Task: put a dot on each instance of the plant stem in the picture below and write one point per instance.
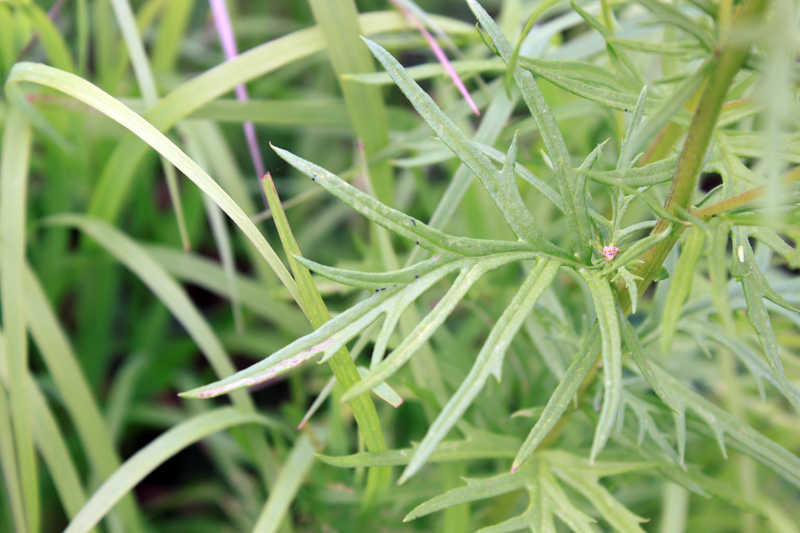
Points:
(731, 57)
(746, 197)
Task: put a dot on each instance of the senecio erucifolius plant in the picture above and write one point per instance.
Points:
(626, 225)
(594, 327)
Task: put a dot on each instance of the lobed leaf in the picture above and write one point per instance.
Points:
(681, 285)
(508, 200)
(608, 321)
(489, 361)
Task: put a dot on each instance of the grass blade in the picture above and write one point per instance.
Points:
(16, 146)
(93, 96)
(153, 455)
(293, 470)
(75, 392)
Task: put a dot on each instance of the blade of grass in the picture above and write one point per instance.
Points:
(293, 471)
(16, 146)
(64, 369)
(153, 455)
(340, 26)
(117, 175)
(8, 460)
(147, 85)
(91, 95)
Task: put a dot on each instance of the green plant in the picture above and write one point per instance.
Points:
(610, 394)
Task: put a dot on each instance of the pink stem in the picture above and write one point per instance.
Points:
(222, 22)
(440, 56)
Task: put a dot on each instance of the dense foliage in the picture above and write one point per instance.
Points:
(598, 333)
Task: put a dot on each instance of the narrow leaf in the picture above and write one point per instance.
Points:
(489, 361)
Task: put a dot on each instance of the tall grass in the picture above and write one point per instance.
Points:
(614, 241)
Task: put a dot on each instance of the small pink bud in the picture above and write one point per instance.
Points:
(610, 252)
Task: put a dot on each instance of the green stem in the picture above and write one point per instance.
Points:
(731, 57)
(341, 364)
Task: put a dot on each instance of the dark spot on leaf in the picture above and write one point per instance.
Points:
(413, 221)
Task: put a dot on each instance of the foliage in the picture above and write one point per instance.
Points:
(623, 267)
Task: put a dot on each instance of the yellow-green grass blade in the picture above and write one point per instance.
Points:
(155, 454)
(8, 460)
(338, 20)
(54, 452)
(201, 271)
(174, 297)
(103, 102)
(147, 86)
(293, 471)
(15, 150)
(75, 392)
(171, 34)
(163, 286)
(118, 173)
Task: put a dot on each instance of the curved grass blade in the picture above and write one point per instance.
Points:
(8, 456)
(509, 202)
(608, 321)
(86, 92)
(14, 168)
(63, 367)
(293, 470)
(117, 175)
(153, 455)
(489, 361)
